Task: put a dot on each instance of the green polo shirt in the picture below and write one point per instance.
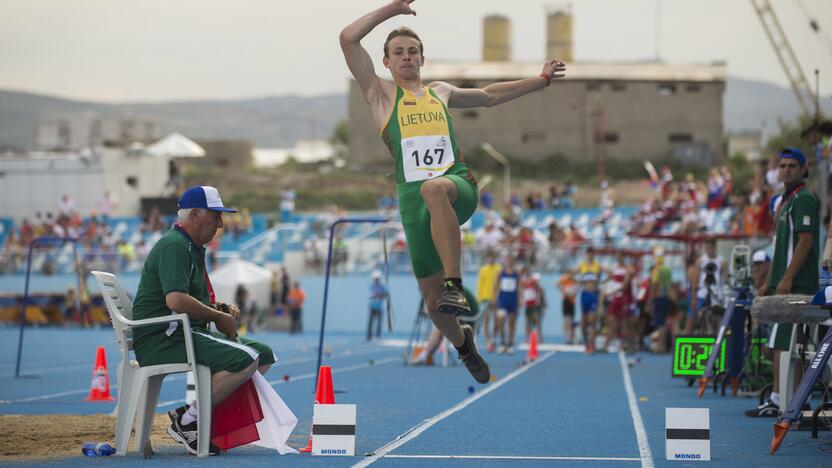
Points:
(800, 212)
(175, 263)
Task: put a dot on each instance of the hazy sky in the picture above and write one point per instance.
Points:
(153, 50)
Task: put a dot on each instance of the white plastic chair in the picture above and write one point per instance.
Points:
(138, 387)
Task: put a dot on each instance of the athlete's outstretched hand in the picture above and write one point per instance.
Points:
(554, 69)
(404, 7)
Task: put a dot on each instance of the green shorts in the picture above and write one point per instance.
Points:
(212, 349)
(416, 222)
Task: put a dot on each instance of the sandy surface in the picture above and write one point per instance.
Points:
(24, 438)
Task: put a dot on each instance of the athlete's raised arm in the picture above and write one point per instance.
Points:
(358, 60)
(498, 93)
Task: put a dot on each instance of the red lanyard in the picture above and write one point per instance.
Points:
(785, 199)
(211, 296)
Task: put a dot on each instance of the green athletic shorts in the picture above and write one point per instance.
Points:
(212, 349)
(416, 222)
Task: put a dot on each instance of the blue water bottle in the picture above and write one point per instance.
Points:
(91, 449)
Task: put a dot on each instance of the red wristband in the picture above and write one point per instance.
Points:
(547, 78)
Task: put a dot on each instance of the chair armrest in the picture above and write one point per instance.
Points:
(184, 318)
(186, 329)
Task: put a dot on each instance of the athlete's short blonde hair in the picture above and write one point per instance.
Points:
(402, 31)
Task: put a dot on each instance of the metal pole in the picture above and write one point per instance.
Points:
(326, 282)
(823, 170)
(506, 168)
(32, 244)
(23, 313)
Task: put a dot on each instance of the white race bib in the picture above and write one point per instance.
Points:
(426, 157)
(508, 284)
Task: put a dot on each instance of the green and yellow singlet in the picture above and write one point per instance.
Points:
(419, 135)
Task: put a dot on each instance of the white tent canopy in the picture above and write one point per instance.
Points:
(176, 145)
(256, 279)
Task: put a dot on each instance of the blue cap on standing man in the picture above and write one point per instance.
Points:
(793, 152)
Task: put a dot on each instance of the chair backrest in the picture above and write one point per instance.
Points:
(120, 307)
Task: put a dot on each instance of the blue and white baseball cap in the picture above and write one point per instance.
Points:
(760, 256)
(203, 196)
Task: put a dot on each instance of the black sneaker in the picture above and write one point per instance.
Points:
(473, 361)
(176, 414)
(766, 410)
(187, 434)
(452, 301)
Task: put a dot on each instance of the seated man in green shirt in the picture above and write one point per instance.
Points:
(174, 280)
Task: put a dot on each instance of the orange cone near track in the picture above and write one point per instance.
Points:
(100, 387)
(324, 395)
(532, 354)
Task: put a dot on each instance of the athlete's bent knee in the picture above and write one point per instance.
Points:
(434, 191)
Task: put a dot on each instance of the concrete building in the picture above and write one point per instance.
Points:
(73, 131)
(633, 111)
(748, 143)
(37, 181)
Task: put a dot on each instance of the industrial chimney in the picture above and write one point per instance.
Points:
(496, 45)
(559, 35)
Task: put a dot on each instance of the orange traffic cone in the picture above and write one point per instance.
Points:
(100, 387)
(532, 354)
(324, 395)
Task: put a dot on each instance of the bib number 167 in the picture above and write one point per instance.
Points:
(429, 158)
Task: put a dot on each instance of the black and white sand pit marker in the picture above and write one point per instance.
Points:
(688, 434)
(333, 430)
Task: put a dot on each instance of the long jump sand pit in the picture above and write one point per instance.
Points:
(29, 437)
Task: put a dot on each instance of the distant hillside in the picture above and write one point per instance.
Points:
(754, 105)
(279, 121)
(270, 122)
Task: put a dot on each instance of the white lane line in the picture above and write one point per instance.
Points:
(638, 424)
(510, 457)
(71, 392)
(55, 370)
(308, 376)
(182, 376)
(46, 397)
(416, 430)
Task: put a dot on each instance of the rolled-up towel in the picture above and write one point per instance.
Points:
(788, 308)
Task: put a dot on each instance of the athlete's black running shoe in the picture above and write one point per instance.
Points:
(473, 361)
(452, 301)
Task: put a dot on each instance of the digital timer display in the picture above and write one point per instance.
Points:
(691, 353)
